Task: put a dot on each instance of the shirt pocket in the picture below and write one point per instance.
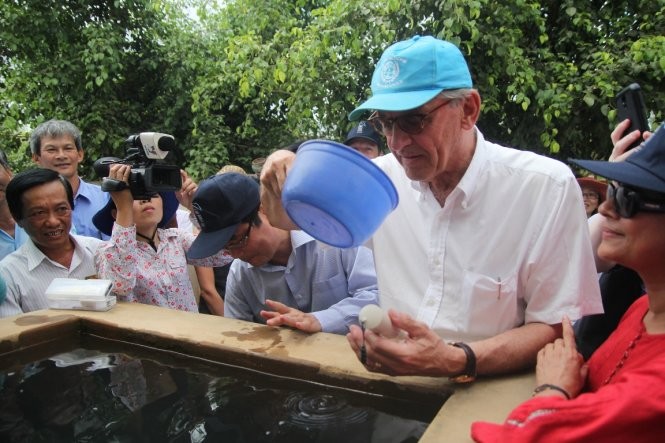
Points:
(491, 304)
(328, 292)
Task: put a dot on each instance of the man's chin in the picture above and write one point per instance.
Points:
(258, 261)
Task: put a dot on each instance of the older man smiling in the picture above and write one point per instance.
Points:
(41, 202)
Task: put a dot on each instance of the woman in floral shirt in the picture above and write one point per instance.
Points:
(146, 262)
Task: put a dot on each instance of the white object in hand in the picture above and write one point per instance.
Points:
(376, 319)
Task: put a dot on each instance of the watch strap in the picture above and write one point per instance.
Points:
(469, 373)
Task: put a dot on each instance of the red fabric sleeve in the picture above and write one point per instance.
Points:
(632, 409)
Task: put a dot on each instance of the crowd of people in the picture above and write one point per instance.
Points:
(490, 263)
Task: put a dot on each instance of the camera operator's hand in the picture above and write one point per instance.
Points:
(124, 202)
(186, 194)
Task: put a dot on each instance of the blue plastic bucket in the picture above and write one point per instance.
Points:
(336, 194)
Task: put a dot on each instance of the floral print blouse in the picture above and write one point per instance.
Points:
(143, 275)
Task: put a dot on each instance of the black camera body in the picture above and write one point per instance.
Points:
(149, 174)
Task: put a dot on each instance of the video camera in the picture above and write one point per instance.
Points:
(149, 175)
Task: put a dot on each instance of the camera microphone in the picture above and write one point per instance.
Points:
(166, 143)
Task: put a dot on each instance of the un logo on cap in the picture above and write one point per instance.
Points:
(389, 71)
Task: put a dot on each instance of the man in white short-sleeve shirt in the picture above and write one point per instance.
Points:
(41, 202)
(488, 248)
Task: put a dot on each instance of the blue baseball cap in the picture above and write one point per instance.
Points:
(220, 204)
(412, 72)
(644, 169)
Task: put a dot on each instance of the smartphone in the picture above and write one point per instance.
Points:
(630, 104)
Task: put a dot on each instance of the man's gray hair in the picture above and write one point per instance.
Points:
(54, 128)
(454, 94)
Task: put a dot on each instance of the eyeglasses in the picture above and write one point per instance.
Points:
(409, 123)
(628, 202)
(241, 242)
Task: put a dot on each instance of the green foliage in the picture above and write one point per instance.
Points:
(102, 65)
(246, 77)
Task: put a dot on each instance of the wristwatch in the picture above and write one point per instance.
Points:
(469, 373)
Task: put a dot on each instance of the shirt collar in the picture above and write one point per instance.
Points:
(84, 190)
(35, 256)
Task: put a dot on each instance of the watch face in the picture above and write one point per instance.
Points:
(463, 378)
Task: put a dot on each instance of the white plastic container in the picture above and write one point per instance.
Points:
(87, 295)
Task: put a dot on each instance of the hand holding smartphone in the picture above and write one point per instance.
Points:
(630, 104)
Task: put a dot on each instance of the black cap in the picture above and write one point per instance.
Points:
(221, 202)
(365, 130)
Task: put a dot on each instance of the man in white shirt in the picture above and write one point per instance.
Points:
(488, 247)
(41, 202)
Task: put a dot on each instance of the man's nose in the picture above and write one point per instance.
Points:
(397, 139)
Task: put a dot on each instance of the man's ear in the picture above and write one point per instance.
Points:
(471, 108)
(35, 158)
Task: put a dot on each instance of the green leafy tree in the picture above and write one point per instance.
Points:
(547, 71)
(246, 77)
(103, 65)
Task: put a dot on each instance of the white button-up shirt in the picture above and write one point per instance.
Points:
(28, 273)
(511, 245)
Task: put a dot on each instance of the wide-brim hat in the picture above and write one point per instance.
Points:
(643, 169)
(596, 186)
(220, 204)
(104, 220)
(366, 131)
(412, 72)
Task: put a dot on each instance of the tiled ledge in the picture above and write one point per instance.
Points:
(324, 358)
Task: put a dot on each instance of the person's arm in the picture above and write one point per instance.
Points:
(273, 176)
(362, 290)
(206, 277)
(357, 289)
(558, 410)
(186, 193)
(116, 260)
(423, 352)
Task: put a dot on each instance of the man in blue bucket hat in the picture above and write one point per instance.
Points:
(488, 248)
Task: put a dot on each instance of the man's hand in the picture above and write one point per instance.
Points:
(185, 195)
(561, 365)
(282, 315)
(123, 200)
(423, 352)
(273, 176)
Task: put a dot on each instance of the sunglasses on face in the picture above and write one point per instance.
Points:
(628, 202)
(408, 123)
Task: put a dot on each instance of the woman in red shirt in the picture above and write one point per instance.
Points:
(619, 395)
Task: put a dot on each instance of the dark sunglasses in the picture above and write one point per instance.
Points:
(628, 202)
(409, 123)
